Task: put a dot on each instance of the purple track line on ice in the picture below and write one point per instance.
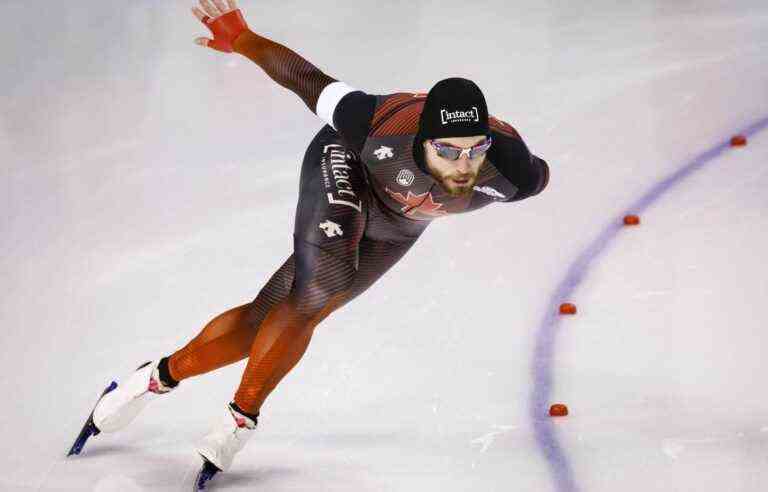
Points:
(546, 336)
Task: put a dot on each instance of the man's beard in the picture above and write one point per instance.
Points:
(458, 189)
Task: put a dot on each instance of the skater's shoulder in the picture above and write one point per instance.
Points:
(397, 114)
(501, 127)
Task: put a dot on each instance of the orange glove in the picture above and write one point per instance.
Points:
(225, 28)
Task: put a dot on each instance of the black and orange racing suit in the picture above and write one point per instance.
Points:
(365, 198)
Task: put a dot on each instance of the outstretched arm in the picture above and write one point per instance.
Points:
(320, 92)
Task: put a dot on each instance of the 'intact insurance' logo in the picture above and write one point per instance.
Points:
(459, 116)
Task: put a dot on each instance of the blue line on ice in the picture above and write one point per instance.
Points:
(546, 336)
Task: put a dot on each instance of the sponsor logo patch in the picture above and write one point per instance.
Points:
(331, 229)
(459, 116)
(405, 177)
(338, 183)
(384, 152)
(490, 192)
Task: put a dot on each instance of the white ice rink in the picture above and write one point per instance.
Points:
(149, 184)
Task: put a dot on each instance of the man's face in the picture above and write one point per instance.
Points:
(457, 177)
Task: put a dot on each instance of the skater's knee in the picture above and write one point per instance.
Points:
(309, 307)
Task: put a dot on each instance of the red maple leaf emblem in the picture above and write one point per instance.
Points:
(423, 203)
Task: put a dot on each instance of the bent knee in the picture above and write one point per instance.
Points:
(313, 305)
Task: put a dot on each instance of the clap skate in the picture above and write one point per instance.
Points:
(119, 405)
(220, 445)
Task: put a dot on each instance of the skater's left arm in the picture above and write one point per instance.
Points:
(510, 155)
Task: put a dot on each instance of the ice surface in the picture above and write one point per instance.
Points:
(149, 184)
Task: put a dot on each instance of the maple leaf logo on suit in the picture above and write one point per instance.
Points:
(418, 203)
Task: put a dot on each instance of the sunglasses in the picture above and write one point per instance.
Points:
(454, 153)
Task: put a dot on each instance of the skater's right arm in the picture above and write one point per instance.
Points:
(351, 116)
(348, 110)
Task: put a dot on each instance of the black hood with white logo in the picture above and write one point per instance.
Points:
(454, 107)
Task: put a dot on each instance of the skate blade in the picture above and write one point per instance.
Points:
(206, 473)
(89, 429)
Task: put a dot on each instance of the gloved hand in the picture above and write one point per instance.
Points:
(225, 21)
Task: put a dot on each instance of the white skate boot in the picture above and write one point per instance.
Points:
(223, 442)
(117, 408)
